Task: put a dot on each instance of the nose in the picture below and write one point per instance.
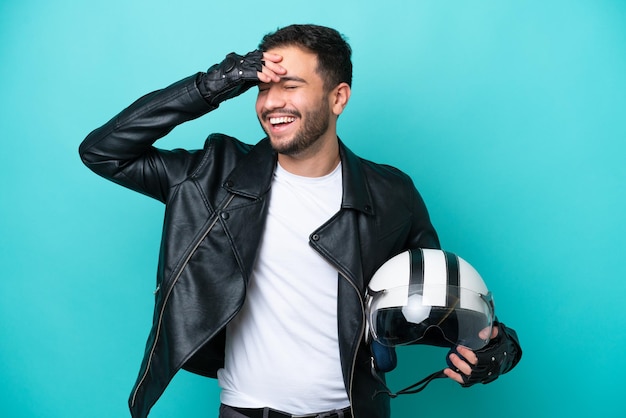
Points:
(273, 98)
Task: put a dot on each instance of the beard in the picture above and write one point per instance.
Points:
(315, 124)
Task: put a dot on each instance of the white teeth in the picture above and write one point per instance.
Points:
(283, 119)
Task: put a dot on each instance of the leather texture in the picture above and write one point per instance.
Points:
(216, 202)
(233, 76)
(496, 358)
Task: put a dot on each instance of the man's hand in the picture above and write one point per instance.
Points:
(271, 70)
(237, 73)
(465, 366)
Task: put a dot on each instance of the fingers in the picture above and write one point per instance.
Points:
(464, 366)
(268, 76)
(453, 375)
(485, 333)
(460, 365)
(269, 57)
(271, 70)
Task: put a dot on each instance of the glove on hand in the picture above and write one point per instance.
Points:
(498, 357)
(231, 77)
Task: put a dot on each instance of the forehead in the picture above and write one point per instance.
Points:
(297, 61)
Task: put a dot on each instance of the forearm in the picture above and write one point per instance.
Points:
(131, 133)
(122, 149)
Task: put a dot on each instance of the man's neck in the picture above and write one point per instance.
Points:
(316, 162)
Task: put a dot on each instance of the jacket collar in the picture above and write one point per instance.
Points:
(356, 194)
(252, 177)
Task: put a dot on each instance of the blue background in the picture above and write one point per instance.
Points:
(509, 116)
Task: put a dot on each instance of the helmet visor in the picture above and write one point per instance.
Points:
(412, 314)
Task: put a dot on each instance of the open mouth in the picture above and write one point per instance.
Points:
(281, 124)
(282, 120)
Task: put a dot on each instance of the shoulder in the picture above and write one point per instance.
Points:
(218, 142)
(385, 175)
(225, 148)
(220, 152)
(391, 189)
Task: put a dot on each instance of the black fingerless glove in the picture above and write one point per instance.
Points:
(230, 78)
(496, 358)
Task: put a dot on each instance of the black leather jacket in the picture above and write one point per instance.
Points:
(216, 202)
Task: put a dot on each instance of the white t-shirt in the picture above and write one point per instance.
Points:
(282, 348)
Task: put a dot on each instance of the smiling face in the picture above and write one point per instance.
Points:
(297, 113)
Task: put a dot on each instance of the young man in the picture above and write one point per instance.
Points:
(267, 249)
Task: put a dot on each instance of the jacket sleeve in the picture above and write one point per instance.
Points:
(122, 149)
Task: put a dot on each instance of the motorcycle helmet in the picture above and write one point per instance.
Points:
(428, 296)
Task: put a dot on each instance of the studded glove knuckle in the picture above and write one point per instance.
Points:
(492, 361)
(230, 78)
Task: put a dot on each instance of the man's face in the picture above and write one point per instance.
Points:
(295, 112)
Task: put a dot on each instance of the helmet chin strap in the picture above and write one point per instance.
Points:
(384, 360)
(494, 359)
(414, 388)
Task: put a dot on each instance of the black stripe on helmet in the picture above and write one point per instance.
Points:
(417, 267)
(454, 279)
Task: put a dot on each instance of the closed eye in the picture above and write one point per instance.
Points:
(292, 82)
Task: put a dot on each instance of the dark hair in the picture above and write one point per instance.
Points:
(332, 50)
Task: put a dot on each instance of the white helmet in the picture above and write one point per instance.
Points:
(422, 290)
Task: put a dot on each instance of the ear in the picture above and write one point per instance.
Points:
(339, 98)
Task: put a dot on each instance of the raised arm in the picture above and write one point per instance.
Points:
(122, 149)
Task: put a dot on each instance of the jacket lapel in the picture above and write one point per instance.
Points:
(356, 194)
(338, 239)
(252, 177)
(244, 219)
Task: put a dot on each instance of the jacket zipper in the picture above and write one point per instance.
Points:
(169, 291)
(361, 332)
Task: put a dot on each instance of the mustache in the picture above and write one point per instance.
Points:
(291, 112)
